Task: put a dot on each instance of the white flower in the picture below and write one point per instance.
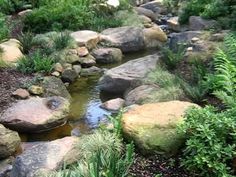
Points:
(114, 3)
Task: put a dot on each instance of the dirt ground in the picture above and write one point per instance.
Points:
(10, 80)
(157, 166)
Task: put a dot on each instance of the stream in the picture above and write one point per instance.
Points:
(85, 114)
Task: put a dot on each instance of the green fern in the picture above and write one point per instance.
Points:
(224, 78)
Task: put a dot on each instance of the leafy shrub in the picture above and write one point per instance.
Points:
(35, 62)
(213, 9)
(210, 146)
(172, 58)
(83, 14)
(50, 18)
(4, 31)
(13, 6)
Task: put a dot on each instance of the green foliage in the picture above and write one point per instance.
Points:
(4, 30)
(171, 58)
(62, 40)
(27, 42)
(113, 165)
(13, 6)
(197, 88)
(100, 140)
(35, 62)
(83, 14)
(213, 9)
(116, 122)
(52, 17)
(3, 64)
(195, 92)
(168, 86)
(211, 138)
(46, 43)
(101, 156)
(223, 81)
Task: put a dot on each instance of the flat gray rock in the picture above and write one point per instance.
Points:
(128, 39)
(130, 74)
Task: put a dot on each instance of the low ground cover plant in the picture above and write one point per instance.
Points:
(210, 145)
(36, 62)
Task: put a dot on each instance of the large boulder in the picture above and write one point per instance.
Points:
(11, 51)
(153, 127)
(157, 6)
(130, 74)
(128, 39)
(182, 38)
(36, 114)
(146, 12)
(45, 157)
(9, 142)
(197, 23)
(107, 55)
(86, 38)
(154, 36)
(139, 94)
(54, 87)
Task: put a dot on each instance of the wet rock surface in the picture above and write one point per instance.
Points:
(36, 114)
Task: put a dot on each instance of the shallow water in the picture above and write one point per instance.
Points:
(85, 114)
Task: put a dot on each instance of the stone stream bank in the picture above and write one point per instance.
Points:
(71, 101)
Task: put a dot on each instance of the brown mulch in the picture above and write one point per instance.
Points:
(10, 80)
(157, 165)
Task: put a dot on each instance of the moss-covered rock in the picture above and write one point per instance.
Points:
(9, 142)
(153, 127)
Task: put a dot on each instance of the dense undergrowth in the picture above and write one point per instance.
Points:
(222, 10)
(210, 131)
(210, 146)
(50, 15)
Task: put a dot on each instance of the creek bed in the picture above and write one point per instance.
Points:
(85, 114)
